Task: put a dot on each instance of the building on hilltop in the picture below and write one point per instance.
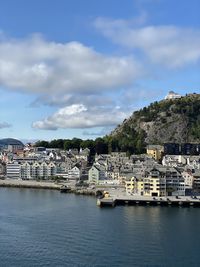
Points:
(172, 95)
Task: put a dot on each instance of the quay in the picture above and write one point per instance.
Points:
(183, 201)
(14, 183)
(33, 184)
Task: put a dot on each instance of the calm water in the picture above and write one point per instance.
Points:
(46, 228)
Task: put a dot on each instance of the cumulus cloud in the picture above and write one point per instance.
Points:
(64, 74)
(36, 65)
(167, 45)
(5, 125)
(80, 116)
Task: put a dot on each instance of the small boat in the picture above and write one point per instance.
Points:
(65, 189)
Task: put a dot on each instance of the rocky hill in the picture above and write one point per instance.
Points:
(176, 120)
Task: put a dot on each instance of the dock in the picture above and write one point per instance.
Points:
(182, 201)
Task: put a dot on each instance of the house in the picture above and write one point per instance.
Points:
(95, 174)
(74, 174)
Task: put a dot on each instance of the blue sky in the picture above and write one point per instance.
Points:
(74, 68)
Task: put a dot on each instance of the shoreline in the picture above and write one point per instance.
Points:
(29, 184)
(32, 184)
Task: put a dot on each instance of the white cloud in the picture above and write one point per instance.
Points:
(5, 125)
(80, 116)
(38, 66)
(167, 45)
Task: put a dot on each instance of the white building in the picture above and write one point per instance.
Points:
(172, 95)
(96, 174)
(188, 178)
(74, 174)
(13, 170)
(28, 170)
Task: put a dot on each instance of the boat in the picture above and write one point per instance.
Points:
(65, 189)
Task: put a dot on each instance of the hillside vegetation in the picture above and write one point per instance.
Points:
(175, 120)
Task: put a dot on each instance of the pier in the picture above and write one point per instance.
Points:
(181, 201)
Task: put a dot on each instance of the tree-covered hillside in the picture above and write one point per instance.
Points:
(175, 120)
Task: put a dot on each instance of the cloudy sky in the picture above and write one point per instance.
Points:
(78, 68)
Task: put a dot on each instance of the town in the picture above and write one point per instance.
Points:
(164, 170)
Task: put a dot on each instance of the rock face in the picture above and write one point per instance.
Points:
(174, 120)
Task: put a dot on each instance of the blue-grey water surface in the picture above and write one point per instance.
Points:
(46, 228)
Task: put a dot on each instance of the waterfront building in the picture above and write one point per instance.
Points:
(175, 183)
(155, 183)
(32, 170)
(135, 186)
(95, 174)
(26, 170)
(74, 174)
(13, 170)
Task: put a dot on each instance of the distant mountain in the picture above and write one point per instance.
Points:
(170, 120)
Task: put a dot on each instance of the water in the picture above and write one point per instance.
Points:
(46, 228)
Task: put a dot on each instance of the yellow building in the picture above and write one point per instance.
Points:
(155, 151)
(130, 186)
(135, 186)
(153, 185)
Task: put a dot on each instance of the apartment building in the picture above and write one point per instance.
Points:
(13, 170)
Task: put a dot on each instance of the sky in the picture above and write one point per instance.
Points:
(78, 68)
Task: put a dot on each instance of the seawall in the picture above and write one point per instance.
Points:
(29, 184)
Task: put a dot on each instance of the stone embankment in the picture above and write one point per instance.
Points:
(45, 185)
(88, 192)
(29, 184)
